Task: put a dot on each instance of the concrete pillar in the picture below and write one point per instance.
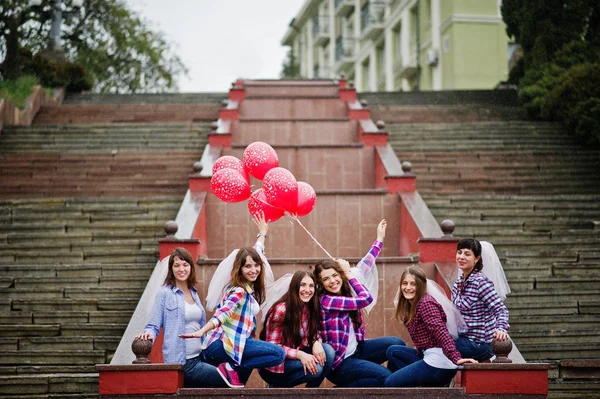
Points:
(389, 59)
(331, 65)
(357, 63)
(373, 69)
(405, 44)
(309, 48)
(436, 42)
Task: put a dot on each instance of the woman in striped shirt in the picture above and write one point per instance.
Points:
(231, 345)
(474, 295)
(357, 360)
(293, 323)
(433, 361)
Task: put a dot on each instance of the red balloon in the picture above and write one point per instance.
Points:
(229, 185)
(259, 158)
(307, 199)
(281, 189)
(229, 161)
(258, 203)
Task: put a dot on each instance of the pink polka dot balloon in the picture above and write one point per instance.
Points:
(229, 161)
(259, 158)
(258, 203)
(307, 198)
(229, 185)
(281, 189)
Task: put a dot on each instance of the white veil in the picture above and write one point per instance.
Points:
(492, 268)
(454, 320)
(370, 280)
(222, 277)
(274, 292)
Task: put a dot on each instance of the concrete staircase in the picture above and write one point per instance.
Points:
(532, 192)
(81, 208)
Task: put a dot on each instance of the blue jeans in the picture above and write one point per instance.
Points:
(412, 371)
(293, 373)
(470, 349)
(363, 368)
(257, 354)
(197, 374)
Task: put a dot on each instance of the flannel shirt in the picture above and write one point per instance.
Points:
(335, 319)
(428, 329)
(235, 318)
(483, 310)
(274, 326)
(169, 314)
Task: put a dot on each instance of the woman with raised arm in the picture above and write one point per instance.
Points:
(357, 360)
(476, 298)
(231, 344)
(177, 309)
(293, 323)
(434, 360)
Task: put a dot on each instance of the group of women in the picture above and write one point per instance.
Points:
(316, 330)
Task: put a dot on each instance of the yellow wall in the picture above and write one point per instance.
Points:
(477, 56)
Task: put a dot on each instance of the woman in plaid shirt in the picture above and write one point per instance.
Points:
(476, 299)
(357, 360)
(293, 323)
(231, 344)
(433, 361)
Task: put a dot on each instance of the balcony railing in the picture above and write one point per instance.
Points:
(343, 7)
(321, 30)
(371, 19)
(344, 48)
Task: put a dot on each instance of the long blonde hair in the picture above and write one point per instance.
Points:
(405, 310)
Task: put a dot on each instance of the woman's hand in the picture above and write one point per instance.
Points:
(343, 264)
(308, 362)
(261, 223)
(463, 361)
(319, 353)
(500, 335)
(196, 334)
(381, 230)
(144, 336)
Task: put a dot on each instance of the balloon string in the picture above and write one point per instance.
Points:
(293, 217)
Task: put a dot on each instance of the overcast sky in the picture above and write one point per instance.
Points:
(221, 40)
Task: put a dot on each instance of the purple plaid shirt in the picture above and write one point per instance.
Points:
(335, 320)
(428, 329)
(483, 310)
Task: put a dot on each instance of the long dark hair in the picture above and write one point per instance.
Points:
(406, 309)
(475, 247)
(182, 254)
(346, 290)
(238, 279)
(292, 321)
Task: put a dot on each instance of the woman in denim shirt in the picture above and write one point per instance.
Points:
(178, 310)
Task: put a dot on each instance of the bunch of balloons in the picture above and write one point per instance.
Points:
(280, 192)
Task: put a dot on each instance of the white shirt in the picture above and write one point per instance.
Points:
(193, 314)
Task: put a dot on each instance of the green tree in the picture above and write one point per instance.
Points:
(543, 27)
(116, 47)
(290, 68)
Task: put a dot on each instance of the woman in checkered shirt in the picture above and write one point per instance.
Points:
(357, 360)
(483, 310)
(231, 344)
(293, 323)
(434, 359)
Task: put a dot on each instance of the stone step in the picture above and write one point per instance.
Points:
(30, 330)
(563, 350)
(556, 322)
(287, 109)
(54, 384)
(560, 388)
(93, 329)
(556, 337)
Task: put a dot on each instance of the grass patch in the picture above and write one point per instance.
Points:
(17, 91)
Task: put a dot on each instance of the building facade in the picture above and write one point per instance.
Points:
(402, 45)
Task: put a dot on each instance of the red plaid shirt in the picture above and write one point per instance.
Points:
(274, 333)
(428, 329)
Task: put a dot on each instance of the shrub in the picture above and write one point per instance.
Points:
(59, 73)
(17, 91)
(584, 121)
